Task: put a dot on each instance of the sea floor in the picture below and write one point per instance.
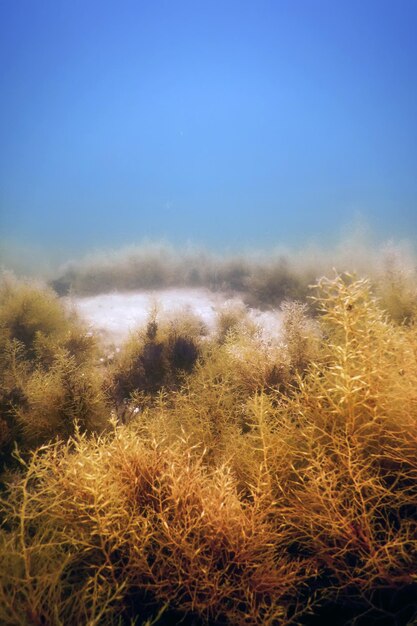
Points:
(115, 315)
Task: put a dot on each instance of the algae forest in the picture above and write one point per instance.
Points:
(212, 478)
(208, 313)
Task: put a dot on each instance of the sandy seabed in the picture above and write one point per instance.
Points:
(115, 315)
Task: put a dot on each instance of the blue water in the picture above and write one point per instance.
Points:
(229, 124)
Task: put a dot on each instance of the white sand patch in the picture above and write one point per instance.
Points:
(115, 315)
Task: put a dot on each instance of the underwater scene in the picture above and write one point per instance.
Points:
(208, 313)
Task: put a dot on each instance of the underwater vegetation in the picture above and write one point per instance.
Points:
(262, 279)
(216, 479)
(48, 371)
